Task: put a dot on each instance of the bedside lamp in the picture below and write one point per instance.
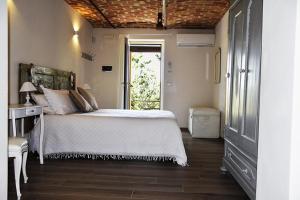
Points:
(86, 86)
(27, 87)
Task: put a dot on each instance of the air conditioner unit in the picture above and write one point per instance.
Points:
(195, 40)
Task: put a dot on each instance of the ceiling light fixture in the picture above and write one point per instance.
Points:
(162, 16)
(159, 24)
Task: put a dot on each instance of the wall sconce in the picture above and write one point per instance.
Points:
(76, 34)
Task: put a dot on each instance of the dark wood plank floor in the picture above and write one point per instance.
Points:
(139, 180)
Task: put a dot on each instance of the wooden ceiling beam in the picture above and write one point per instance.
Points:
(103, 15)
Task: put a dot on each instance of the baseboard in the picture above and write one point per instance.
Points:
(184, 129)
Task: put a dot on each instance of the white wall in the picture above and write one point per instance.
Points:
(3, 96)
(295, 141)
(190, 86)
(279, 149)
(220, 89)
(41, 32)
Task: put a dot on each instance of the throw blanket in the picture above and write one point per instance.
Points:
(117, 134)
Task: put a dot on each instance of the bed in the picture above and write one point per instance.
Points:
(105, 133)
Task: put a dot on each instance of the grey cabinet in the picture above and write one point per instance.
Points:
(243, 83)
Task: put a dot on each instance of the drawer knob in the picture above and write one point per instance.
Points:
(245, 171)
(229, 154)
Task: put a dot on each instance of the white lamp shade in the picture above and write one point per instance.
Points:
(27, 87)
(86, 86)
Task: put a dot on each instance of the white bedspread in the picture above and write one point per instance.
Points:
(118, 134)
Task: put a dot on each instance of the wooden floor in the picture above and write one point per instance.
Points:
(139, 180)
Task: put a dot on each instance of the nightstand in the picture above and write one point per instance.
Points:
(21, 111)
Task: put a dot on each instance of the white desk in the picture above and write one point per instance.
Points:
(19, 111)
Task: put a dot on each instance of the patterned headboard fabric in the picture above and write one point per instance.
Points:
(48, 77)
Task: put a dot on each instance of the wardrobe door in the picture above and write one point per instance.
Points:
(250, 77)
(236, 32)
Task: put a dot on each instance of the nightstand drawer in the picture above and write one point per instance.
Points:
(33, 111)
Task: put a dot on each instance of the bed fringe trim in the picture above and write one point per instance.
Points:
(106, 157)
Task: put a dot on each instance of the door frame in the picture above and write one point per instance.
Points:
(150, 42)
(126, 88)
(3, 97)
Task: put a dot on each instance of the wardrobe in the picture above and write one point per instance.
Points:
(242, 94)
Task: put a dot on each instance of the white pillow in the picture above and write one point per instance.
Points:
(59, 101)
(41, 100)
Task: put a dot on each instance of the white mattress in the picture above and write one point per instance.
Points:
(118, 134)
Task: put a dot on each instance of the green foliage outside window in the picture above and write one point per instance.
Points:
(145, 84)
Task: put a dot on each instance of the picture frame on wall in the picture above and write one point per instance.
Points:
(217, 66)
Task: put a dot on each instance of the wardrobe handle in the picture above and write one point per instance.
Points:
(242, 70)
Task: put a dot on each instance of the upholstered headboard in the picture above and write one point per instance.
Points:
(48, 77)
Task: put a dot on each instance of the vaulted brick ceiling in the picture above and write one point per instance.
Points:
(143, 13)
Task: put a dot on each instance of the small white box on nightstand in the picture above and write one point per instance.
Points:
(204, 122)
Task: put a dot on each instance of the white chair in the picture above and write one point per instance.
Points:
(18, 149)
